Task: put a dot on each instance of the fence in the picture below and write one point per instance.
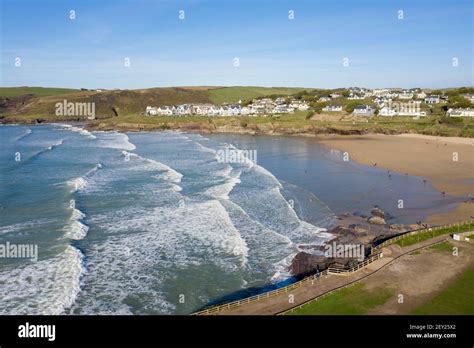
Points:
(355, 281)
(359, 266)
(235, 304)
(259, 297)
(420, 231)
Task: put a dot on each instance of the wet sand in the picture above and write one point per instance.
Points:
(425, 156)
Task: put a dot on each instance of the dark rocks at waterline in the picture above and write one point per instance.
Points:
(376, 220)
(378, 217)
(304, 263)
(376, 211)
(313, 257)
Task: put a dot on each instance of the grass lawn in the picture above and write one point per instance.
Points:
(446, 246)
(37, 91)
(353, 300)
(234, 94)
(431, 234)
(456, 299)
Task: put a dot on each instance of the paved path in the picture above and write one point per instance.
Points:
(310, 290)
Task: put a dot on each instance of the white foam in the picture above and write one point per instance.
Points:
(56, 144)
(48, 148)
(222, 191)
(45, 287)
(283, 269)
(81, 182)
(20, 227)
(115, 140)
(79, 130)
(76, 229)
(171, 174)
(145, 249)
(28, 132)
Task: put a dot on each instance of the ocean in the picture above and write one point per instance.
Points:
(158, 223)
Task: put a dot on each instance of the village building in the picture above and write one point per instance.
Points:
(333, 108)
(469, 97)
(364, 110)
(387, 111)
(432, 99)
(421, 95)
(461, 112)
(405, 95)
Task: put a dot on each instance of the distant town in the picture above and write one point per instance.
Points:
(354, 101)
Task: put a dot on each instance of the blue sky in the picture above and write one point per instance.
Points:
(273, 50)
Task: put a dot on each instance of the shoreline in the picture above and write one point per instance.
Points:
(430, 162)
(425, 156)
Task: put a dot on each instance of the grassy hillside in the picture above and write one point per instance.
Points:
(123, 109)
(116, 102)
(110, 103)
(9, 92)
(296, 123)
(234, 94)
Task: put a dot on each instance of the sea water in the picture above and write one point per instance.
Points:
(154, 223)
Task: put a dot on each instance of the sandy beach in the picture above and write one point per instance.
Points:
(430, 157)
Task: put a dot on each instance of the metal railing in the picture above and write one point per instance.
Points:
(357, 267)
(265, 295)
(420, 231)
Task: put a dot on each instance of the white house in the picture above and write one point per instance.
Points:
(165, 110)
(201, 109)
(405, 95)
(183, 109)
(469, 97)
(246, 110)
(421, 95)
(282, 109)
(432, 99)
(234, 109)
(355, 97)
(387, 111)
(152, 111)
(364, 110)
(280, 100)
(300, 105)
(333, 108)
(461, 112)
(213, 111)
(324, 99)
(380, 92)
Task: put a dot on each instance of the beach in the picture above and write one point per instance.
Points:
(430, 157)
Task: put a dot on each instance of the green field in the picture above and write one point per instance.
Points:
(456, 299)
(125, 108)
(36, 91)
(352, 300)
(445, 246)
(428, 235)
(431, 234)
(234, 94)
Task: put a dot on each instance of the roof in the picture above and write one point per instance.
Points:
(362, 107)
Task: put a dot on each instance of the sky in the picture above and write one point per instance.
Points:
(294, 43)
